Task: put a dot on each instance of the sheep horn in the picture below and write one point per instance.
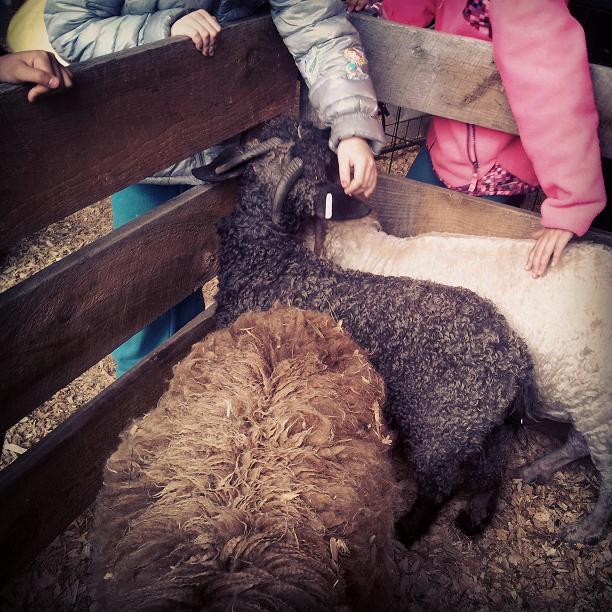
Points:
(290, 175)
(242, 157)
(227, 164)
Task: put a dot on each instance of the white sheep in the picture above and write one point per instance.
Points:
(564, 317)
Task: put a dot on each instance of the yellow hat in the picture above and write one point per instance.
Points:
(27, 31)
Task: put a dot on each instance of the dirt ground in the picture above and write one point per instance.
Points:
(517, 564)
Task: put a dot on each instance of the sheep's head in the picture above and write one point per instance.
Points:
(289, 167)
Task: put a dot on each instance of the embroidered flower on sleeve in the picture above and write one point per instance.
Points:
(356, 68)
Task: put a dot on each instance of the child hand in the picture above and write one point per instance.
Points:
(355, 5)
(355, 153)
(37, 67)
(201, 27)
(549, 242)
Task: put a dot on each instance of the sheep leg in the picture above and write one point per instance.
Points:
(478, 513)
(592, 527)
(543, 468)
(416, 522)
(483, 480)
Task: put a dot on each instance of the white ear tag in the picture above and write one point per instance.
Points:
(328, 205)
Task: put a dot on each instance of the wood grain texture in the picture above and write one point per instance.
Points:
(406, 207)
(453, 76)
(45, 489)
(131, 114)
(64, 319)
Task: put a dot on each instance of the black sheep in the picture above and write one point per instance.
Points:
(452, 366)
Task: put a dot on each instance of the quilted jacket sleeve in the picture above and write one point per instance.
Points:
(80, 29)
(327, 51)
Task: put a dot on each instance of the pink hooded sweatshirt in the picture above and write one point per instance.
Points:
(540, 51)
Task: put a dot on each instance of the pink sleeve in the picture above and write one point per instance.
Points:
(414, 12)
(541, 54)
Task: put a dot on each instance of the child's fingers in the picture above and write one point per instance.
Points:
(536, 236)
(67, 76)
(367, 181)
(214, 28)
(537, 257)
(534, 258)
(529, 263)
(208, 30)
(29, 74)
(543, 254)
(203, 37)
(37, 91)
(560, 244)
(212, 21)
(356, 185)
(55, 67)
(545, 258)
(202, 24)
(61, 72)
(344, 168)
(355, 5)
(550, 243)
(44, 61)
(556, 256)
(196, 37)
(372, 179)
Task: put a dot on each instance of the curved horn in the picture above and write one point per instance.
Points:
(290, 175)
(245, 156)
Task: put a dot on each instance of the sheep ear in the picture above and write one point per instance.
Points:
(332, 203)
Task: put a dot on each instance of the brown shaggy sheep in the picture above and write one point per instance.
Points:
(261, 481)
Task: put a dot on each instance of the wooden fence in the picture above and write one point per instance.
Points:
(129, 115)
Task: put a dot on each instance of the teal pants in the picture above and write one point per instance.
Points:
(127, 205)
(422, 171)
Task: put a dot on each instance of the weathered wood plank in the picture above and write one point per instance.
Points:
(406, 207)
(453, 76)
(131, 114)
(63, 320)
(44, 490)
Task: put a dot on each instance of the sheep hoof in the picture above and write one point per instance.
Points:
(404, 534)
(583, 532)
(532, 475)
(467, 525)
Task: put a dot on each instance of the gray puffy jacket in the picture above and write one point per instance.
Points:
(325, 46)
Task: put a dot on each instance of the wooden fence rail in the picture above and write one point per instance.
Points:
(437, 209)
(131, 114)
(66, 318)
(453, 76)
(54, 482)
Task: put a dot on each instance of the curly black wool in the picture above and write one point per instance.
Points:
(451, 364)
